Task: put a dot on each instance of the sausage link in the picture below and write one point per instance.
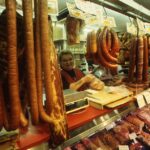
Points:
(104, 47)
(29, 41)
(13, 82)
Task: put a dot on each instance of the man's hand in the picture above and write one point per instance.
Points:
(96, 84)
(88, 78)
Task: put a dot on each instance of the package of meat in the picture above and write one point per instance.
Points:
(89, 144)
(130, 127)
(98, 142)
(135, 121)
(68, 148)
(73, 26)
(122, 131)
(79, 146)
(136, 146)
(144, 137)
(110, 140)
(95, 140)
(144, 116)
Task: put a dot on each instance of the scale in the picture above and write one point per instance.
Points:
(75, 101)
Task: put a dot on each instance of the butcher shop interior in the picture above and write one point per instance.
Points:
(80, 69)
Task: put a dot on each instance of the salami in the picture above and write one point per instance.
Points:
(13, 81)
(29, 44)
(54, 95)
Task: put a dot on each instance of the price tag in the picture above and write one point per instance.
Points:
(53, 7)
(92, 20)
(74, 12)
(106, 117)
(148, 89)
(88, 7)
(131, 28)
(147, 27)
(102, 118)
(99, 148)
(109, 21)
(110, 126)
(140, 100)
(140, 24)
(133, 136)
(123, 147)
(147, 96)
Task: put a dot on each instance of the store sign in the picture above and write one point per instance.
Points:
(140, 25)
(131, 28)
(109, 21)
(53, 7)
(74, 12)
(92, 20)
(147, 27)
(146, 95)
(88, 7)
(140, 100)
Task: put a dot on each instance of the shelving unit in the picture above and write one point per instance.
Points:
(92, 120)
(81, 124)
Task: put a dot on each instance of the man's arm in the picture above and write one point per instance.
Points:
(86, 79)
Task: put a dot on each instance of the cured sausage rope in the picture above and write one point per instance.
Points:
(92, 41)
(43, 115)
(108, 40)
(140, 59)
(115, 46)
(1, 107)
(54, 101)
(102, 60)
(27, 11)
(132, 60)
(13, 82)
(104, 47)
(145, 60)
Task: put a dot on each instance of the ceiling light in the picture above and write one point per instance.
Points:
(136, 6)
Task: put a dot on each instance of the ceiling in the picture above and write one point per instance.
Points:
(145, 3)
(117, 5)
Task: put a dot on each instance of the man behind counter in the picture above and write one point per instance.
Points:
(73, 78)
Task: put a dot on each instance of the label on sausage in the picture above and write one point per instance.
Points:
(147, 27)
(131, 28)
(146, 95)
(140, 100)
(123, 147)
(53, 7)
(110, 126)
(133, 137)
(109, 21)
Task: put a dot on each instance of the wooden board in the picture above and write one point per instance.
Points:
(119, 102)
(104, 97)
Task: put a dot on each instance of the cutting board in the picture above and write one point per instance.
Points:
(119, 102)
(105, 96)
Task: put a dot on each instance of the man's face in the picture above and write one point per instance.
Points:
(67, 62)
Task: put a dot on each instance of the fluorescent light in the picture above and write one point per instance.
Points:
(136, 6)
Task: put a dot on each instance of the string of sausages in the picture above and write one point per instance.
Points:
(139, 53)
(102, 47)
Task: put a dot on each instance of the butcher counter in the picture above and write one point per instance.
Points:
(77, 122)
(81, 124)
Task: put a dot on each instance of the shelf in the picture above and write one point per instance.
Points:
(87, 115)
(99, 122)
(33, 136)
